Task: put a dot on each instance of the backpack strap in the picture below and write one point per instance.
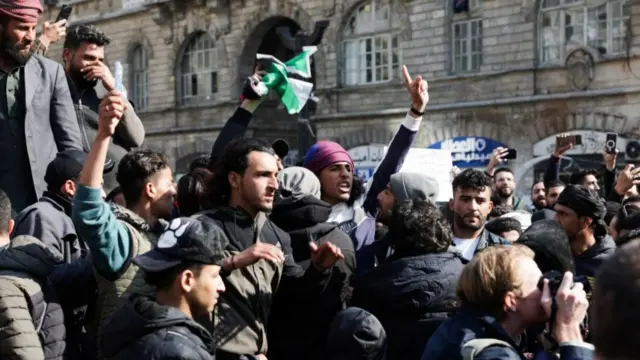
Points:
(474, 347)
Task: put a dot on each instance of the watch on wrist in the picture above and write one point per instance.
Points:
(416, 112)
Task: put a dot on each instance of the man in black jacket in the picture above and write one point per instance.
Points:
(580, 212)
(414, 291)
(299, 211)
(243, 187)
(402, 186)
(185, 270)
(49, 220)
(89, 81)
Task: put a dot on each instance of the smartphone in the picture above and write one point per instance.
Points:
(577, 139)
(511, 154)
(566, 140)
(611, 143)
(65, 12)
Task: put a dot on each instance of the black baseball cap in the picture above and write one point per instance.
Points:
(67, 165)
(186, 240)
(281, 148)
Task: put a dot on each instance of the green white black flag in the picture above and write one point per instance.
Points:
(294, 93)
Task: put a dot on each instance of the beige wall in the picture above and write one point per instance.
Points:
(508, 100)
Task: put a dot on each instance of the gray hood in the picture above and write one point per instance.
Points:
(296, 183)
(414, 186)
(30, 255)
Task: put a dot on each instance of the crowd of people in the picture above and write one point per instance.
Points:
(104, 256)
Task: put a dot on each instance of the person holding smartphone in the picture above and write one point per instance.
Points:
(52, 32)
(504, 179)
(37, 117)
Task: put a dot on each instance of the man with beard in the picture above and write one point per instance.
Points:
(414, 291)
(471, 204)
(243, 188)
(538, 196)
(505, 187)
(554, 189)
(402, 187)
(354, 205)
(37, 118)
(503, 181)
(83, 57)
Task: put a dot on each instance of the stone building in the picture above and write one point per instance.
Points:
(512, 72)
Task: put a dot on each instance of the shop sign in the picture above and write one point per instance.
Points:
(469, 151)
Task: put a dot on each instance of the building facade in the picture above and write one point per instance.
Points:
(512, 72)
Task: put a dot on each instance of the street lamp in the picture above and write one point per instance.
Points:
(295, 43)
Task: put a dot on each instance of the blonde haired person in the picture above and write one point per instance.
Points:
(500, 298)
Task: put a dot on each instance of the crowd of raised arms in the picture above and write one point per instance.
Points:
(104, 256)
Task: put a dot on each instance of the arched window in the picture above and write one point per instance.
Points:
(565, 24)
(370, 50)
(198, 70)
(139, 78)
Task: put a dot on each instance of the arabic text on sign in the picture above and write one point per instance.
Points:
(469, 157)
(470, 144)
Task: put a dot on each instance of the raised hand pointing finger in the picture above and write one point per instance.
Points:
(408, 82)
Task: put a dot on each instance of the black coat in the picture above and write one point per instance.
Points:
(411, 297)
(305, 221)
(145, 330)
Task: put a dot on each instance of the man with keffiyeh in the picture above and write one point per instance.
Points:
(38, 120)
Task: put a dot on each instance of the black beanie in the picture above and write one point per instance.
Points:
(550, 243)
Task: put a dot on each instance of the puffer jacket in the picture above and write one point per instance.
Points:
(31, 318)
(145, 330)
(113, 291)
(305, 220)
(411, 296)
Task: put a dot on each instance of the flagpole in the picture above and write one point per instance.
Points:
(295, 43)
